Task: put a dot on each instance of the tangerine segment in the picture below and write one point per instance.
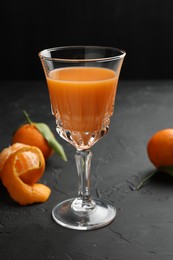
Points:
(20, 191)
(5, 154)
(30, 165)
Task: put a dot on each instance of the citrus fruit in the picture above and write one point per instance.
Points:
(160, 153)
(40, 135)
(30, 158)
(25, 160)
(28, 134)
(19, 174)
(160, 148)
(4, 155)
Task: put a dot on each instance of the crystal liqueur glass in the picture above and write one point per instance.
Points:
(82, 83)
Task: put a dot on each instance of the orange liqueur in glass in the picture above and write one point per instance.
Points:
(82, 100)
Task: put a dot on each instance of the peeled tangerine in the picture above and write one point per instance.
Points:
(5, 154)
(19, 173)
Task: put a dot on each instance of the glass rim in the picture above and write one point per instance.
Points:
(119, 56)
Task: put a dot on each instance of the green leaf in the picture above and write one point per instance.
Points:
(167, 169)
(151, 174)
(164, 169)
(48, 135)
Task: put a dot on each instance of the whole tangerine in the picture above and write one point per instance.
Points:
(28, 134)
(160, 148)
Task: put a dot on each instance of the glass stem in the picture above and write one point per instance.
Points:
(83, 162)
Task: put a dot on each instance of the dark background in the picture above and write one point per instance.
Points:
(143, 28)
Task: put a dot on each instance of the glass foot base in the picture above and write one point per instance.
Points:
(101, 215)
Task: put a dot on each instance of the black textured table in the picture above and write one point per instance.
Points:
(143, 228)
